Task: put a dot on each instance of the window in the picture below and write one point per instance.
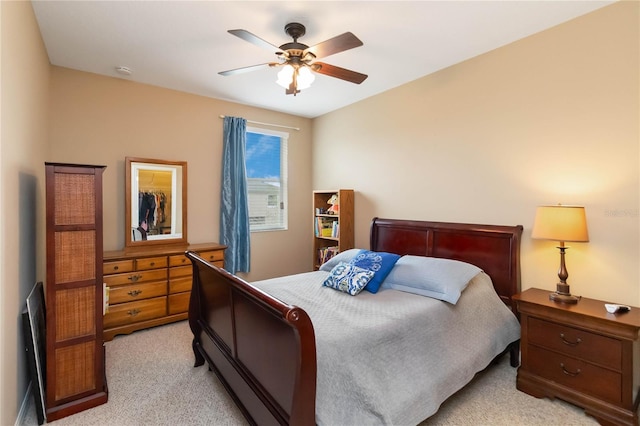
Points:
(266, 163)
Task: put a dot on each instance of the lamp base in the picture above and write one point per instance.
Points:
(569, 299)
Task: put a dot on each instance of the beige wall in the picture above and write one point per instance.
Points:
(102, 120)
(551, 118)
(23, 150)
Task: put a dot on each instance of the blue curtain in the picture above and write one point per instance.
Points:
(234, 204)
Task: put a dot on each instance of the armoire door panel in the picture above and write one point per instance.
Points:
(75, 253)
(75, 313)
(75, 370)
(76, 199)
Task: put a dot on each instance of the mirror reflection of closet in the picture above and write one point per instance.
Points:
(156, 202)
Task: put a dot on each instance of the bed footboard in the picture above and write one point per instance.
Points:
(261, 349)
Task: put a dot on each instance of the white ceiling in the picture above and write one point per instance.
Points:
(182, 45)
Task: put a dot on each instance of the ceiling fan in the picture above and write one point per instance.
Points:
(298, 60)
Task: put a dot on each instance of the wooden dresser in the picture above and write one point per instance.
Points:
(75, 371)
(582, 354)
(150, 287)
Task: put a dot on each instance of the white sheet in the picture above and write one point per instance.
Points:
(394, 357)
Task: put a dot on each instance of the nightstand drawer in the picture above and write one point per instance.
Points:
(575, 342)
(575, 374)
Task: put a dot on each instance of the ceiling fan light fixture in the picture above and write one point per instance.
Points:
(295, 78)
(285, 76)
(305, 78)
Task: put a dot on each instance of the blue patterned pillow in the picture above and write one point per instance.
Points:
(348, 278)
(380, 263)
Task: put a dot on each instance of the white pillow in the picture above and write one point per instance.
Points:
(442, 279)
(344, 256)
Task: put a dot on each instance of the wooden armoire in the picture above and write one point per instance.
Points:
(75, 366)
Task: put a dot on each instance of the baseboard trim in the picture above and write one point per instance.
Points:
(24, 407)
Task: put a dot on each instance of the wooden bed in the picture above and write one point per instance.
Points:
(264, 351)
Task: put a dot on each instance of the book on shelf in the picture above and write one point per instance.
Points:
(326, 253)
(325, 227)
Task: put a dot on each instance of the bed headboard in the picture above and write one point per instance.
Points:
(493, 248)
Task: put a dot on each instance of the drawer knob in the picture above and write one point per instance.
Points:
(134, 278)
(115, 268)
(567, 372)
(566, 342)
(153, 263)
(133, 312)
(134, 293)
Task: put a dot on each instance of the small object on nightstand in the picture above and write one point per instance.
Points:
(612, 308)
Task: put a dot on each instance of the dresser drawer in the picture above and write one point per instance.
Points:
(216, 257)
(179, 260)
(213, 256)
(151, 263)
(117, 266)
(180, 271)
(135, 277)
(179, 303)
(575, 342)
(576, 374)
(132, 312)
(178, 285)
(133, 292)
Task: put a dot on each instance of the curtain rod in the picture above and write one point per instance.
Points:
(269, 124)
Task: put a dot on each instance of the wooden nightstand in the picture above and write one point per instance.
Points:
(581, 354)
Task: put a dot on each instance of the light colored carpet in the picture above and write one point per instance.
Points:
(152, 381)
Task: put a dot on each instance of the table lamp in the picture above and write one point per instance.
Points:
(561, 223)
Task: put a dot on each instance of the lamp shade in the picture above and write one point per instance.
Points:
(560, 223)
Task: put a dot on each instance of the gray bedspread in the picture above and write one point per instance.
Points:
(394, 357)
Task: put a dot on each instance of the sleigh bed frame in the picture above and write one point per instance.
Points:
(263, 350)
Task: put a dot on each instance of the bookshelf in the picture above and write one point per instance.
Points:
(332, 232)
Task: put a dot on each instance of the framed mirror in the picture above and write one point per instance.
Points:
(155, 202)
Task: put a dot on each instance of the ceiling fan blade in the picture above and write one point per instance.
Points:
(254, 39)
(247, 69)
(334, 45)
(337, 72)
